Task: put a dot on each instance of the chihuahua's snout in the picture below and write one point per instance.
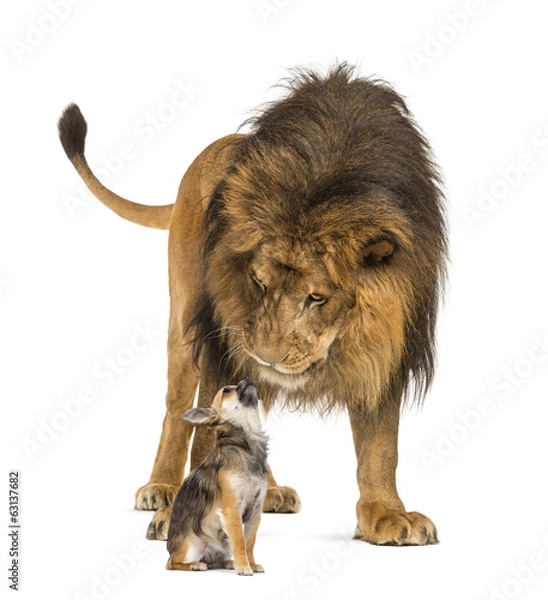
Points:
(247, 392)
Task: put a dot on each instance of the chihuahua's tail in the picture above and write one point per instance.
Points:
(72, 133)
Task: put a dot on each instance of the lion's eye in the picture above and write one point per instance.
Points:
(261, 285)
(316, 299)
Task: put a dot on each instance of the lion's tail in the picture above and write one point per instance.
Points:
(72, 133)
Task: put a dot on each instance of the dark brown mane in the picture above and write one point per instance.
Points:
(340, 163)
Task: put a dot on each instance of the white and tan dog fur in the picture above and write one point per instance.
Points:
(217, 510)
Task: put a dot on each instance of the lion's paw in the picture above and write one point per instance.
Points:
(158, 527)
(154, 496)
(244, 570)
(281, 499)
(383, 526)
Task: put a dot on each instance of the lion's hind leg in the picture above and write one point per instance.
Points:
(159, 525)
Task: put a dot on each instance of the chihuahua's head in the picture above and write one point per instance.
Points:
(235, 404)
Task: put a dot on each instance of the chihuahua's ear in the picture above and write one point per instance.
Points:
(201, 416)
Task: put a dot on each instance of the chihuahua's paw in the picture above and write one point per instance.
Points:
(157, 530)
(281, 499)
(154, 496)
(229, 564)
(198, 566)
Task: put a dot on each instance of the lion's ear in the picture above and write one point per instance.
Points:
(201, 416)
(378, 251)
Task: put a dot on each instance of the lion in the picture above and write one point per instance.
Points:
(308, 254)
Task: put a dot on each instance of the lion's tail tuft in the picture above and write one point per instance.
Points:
(72, 133)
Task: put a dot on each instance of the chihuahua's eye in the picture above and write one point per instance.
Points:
(227, 391)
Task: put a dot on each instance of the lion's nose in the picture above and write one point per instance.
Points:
(270, 359)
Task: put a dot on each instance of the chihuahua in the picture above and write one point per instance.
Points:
(217, 510)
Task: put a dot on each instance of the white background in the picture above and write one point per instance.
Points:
(75, 282)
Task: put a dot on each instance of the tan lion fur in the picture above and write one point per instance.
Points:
(308, 254)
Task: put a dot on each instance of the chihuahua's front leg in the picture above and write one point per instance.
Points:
(231, 518)
(250, 531)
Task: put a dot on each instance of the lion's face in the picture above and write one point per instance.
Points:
(296, 313)
(310, 315)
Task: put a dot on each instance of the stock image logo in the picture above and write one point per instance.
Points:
(103, 374)
(470, 420)
(55, 13)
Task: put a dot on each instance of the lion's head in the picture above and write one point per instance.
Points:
(326, 246)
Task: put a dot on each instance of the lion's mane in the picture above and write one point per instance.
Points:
(337, 161)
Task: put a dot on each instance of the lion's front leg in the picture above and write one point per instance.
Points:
(169, 465)
(167, 473)
(382, 518)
